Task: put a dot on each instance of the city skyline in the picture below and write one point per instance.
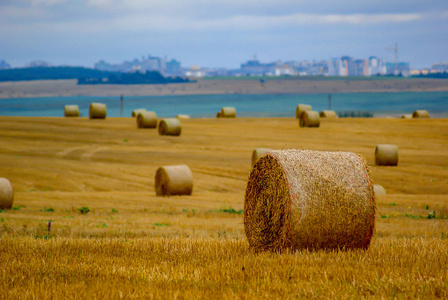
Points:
(221, 33)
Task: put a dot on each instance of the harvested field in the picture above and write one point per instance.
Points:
(110, 235)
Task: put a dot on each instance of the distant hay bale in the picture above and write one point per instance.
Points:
(406, 116)
(420, 114)
(218, 114)
(71, 111)
(183, 117)
(328, 114)
(303, 199)
(386, 155)
(135, 112)
(228, 112)
(174, 180)
(97, 111)
(301, 108)
(257, 153)
(147, 119)
(170, 126)
(309, 119)
(379, 190)
(6, 194)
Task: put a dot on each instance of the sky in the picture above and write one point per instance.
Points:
(221, 33)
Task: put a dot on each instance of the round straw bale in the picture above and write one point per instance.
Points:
(379, 190)
(309, 119)
(303, 199)
(6, 194)
(328, 114)
(71, 111)
(135, 112)
(386, 155)
(228, 112)
(174, 180)
(170, 126)
(406, 116)
(420, 114)
(183, 117)
(257, 153)
(301, 108)
(147, 119)
(97, 111)
(218, 115)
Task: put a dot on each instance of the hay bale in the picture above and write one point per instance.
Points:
(257, 153)
(309, 119)
(183, 117)
(386, 155)
(71, 111)
(174, 180)
(6, 194)
(147, 119)
(228, 112)
(301, 108)
(218, 115)
(170, 126)
(406, 116)
(303, 199)
(135, 112)
(328, 114)
(97, 111)
(379, 190)
(420, 114)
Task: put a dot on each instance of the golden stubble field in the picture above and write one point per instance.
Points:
(134, 244)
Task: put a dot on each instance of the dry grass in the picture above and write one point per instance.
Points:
(135, 244)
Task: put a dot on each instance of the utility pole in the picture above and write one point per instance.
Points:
(121, 106)
(329, 101)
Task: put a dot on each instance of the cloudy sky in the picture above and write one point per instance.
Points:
(221, 33)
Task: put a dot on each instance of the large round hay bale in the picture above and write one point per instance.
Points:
(328, 114)
(6, 194)
(303, 199)
(97, 111)
(386, 155)
(301, 108)
(174, 180)
(71, 111)
(218, 115)
(135, 112)
(147, 119)
(406, 116)
(379, 190)
(228, 112)
(183, 117)
(170, 126)
(309, 119)
(420, 114)
(257, 153)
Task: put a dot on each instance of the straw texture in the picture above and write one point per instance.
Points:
(379, 190)
(309, 199)
(171, 126)
(328, 114)
(97, 111)
(386, 155)
(135, 112)
(183, 117)
(147, 119)
(228, 112)
(174, 180)
(301, 108)
(6, 194)
(309, 119)
(71, 111)
(257, 153)
(420, 114)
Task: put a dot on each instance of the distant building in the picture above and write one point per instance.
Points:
(254, 67)
(150, 63)
(440, 67)
(361, 67)
(38, 63)
(4, 65)
(195, 71)
(173, 67)
(401, 68)
(377, 66)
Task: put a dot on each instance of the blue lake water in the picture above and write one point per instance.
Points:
(198, 106)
